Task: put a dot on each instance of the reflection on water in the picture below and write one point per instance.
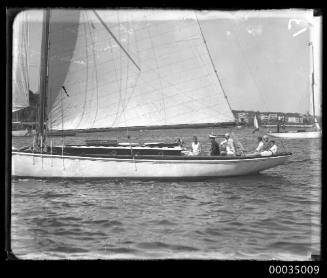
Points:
(272, 215)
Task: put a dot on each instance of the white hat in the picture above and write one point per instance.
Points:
(226, 134)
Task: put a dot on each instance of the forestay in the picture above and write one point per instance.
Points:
(20, 79)
(166, 78)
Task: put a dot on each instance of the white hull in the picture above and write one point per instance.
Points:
(38, 165)
(296, 135)
(23, 132)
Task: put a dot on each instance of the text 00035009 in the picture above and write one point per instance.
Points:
(293, 269)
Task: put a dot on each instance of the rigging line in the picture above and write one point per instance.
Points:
(128, 27)
(199, 56)
(95, 71)
(99, 43)
(130, 96)
(133, 88)
(120, 72)
(147, 69)
(124, 103)
(171, 84)
(126, 81)
(106, 27)
(87, 75)
(44, 69)
(213, 65)
(138, 74)
(62, 115)
(62, 130)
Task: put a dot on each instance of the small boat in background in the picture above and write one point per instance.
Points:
(19, 133)
(296, 134)
(303, 134)
(255, 124)
(20, 129)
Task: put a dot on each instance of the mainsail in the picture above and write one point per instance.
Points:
(166, 78)
(20, 79)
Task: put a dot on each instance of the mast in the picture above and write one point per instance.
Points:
(44, 70)
(213, 65)
(313, 83)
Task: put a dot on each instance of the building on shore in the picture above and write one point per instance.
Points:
(272, 118)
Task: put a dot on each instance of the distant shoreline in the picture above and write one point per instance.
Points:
(287, 125)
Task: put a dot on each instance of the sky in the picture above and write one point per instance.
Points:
(262, 58)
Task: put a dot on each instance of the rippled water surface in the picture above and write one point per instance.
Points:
(273, 215)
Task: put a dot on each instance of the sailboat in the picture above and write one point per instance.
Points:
(255, 124)
(134, 71)
(303, 134)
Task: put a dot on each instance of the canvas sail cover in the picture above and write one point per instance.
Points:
(20, 79)
(158, 73)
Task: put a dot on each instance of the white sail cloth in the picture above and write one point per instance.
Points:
(94, 84)
(20, 80)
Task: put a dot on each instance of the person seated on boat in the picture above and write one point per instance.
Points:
(239, 149)
(196, 146)
(222, 149)
(266, 144)
(227, 146)
(214, 149)
(278, 126)
(260, 145)
(272, 149)
(180, 142)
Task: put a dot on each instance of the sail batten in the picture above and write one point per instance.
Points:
(176, 85)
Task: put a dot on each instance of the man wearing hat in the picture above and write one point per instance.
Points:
(227, 145)
(214, 149)
(266, 144)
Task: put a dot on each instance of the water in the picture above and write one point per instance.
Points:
(273, 215)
